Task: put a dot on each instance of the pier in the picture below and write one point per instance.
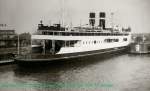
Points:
(140, 44)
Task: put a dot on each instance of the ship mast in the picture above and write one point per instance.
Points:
(112, 20)
(62, 9)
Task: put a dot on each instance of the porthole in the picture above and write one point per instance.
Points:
(95, 42)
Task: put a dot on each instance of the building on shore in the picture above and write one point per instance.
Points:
(7, 36)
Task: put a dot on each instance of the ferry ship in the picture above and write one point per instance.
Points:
(56, 42)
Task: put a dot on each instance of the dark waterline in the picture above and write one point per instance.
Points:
(122, 72)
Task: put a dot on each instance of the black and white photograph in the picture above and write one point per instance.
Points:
(74, 45)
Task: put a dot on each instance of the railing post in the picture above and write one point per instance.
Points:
(44, 47)
(53, 47)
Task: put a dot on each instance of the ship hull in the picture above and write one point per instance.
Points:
(44, 59)
(61, 48)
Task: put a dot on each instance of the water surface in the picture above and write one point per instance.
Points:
(112, 73)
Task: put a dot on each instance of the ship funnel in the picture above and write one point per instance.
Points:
(92, 19)
(102, 16)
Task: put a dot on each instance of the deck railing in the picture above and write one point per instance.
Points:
(73, 33)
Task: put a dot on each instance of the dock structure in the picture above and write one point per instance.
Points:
(140, 45)
(140, 48)
(6, 58)
(6, 62)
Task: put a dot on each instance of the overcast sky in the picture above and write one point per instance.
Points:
(24, 15)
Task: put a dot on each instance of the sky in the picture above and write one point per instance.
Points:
(24, 15)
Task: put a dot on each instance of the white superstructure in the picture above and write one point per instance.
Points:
(96, 43)
(87, 43)
(59, 40)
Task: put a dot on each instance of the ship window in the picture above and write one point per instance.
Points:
(116, 40)
(63, 43)
(86, 42)
(76, 34)
(107, 34)
(44, 33)
(90, 34)
(148, 48)
(55, 33)
(72, 43)
(108, 40)
(68, 34)
(50, 33)
(95, 42)
(67, 43)
(85, 34)
(124, 39)
(72, 34)
(100, 34)
(97, 34)
(81, 34)
(63, 33)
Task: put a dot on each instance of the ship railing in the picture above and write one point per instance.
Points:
(75, 33)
